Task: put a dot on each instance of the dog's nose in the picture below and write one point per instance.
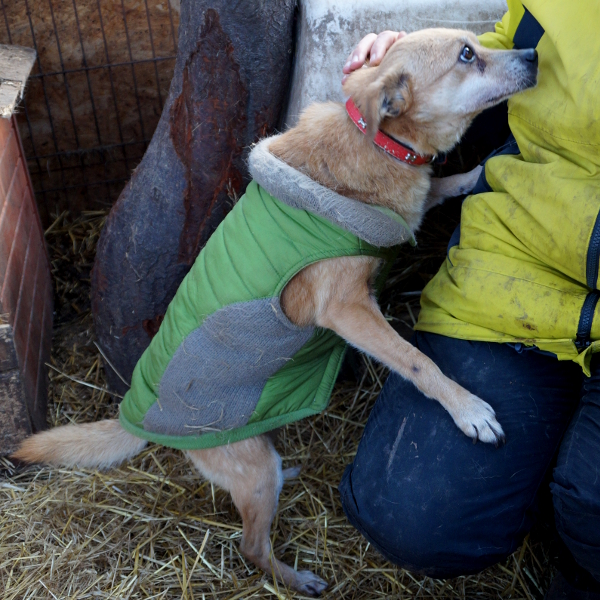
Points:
(530, 55)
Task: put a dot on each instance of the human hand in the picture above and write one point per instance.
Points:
(373, 46)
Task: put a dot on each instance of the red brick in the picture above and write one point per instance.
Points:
(16, 261)
(9, 217)
(31, 321)
(15, 127)
(27, 291)
(38, 299)
(25, 298)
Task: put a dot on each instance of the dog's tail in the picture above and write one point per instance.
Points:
(103, 444)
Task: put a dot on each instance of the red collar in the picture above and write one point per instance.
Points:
(386, 143)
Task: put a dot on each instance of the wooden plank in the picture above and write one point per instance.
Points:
(15, 129)
(15, 65)
(9, 220)
(9, 159)
(28, 322)
(12, 277)
(26, 276)
(25, 298)
(38, 413)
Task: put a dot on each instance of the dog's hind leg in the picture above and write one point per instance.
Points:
(291, 472)
(250, 471)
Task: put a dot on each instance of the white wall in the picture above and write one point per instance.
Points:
(329, 30)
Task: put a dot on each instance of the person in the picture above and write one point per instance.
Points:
(512, 315)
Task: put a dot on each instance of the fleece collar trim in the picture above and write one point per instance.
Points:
(376, 225)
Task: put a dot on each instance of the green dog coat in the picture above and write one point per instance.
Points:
(226, 363)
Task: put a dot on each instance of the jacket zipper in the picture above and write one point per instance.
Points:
(584, 329)
(586, 318)
(593, 256)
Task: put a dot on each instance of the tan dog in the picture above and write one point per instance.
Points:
(427, 90)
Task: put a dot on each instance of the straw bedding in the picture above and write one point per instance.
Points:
(153, 529)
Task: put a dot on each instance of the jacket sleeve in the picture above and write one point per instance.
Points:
(502, 37)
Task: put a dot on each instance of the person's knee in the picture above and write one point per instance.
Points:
(423, 494)
(418, 540)
(577, 514)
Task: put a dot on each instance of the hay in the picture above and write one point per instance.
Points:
(154, 529)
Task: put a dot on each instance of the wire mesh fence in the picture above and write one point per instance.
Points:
(95, 94)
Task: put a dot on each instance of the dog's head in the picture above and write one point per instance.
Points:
(432, 83)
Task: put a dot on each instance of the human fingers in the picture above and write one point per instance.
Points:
(382, 44)
(373, 46)
(357, 57)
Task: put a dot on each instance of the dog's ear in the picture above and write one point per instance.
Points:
(388, 96)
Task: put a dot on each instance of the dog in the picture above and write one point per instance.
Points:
(427, 90)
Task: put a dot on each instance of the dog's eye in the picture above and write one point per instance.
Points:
(467, 54)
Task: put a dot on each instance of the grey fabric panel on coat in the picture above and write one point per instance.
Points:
(297, 190)
(217, 375)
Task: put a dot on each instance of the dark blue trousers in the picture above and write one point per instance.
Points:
(433, 502)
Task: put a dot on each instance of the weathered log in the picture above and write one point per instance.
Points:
(228, 90)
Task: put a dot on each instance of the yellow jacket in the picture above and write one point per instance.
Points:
(526, 267)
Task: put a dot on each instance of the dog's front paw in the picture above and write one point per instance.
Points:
(470, 180)
(310, 584)
(477, 419)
